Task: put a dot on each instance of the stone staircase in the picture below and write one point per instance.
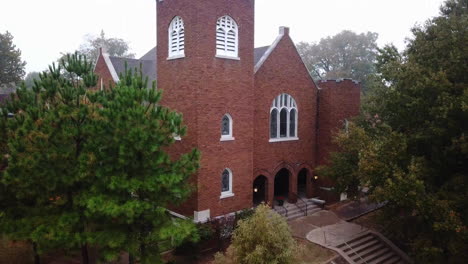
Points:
(299, 209)
(370, 248)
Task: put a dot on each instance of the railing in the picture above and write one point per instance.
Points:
(300, 203)
(284, 208)
(355, 252)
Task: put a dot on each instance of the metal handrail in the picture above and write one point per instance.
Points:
(285, 210)
(300, 199)
(306, 206)
(355, 252)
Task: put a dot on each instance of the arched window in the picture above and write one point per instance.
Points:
(226, 128)
(176, 38)
(226, 183)
(227, 37)
(283, 118)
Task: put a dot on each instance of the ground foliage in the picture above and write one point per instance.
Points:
(264, 237)
(410, 145)
(89, 169)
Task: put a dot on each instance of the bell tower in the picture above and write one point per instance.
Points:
(206, 71)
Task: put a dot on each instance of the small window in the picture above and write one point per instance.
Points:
(226, 183)
(176, 38)
(226, 128)
(283, 118)
(227, 38)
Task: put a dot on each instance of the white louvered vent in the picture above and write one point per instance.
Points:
(227, 40)
(176, 38)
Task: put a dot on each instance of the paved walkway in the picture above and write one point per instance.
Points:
(325, 228)
(355, 209)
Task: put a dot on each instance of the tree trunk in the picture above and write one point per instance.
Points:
(37, 258)
(84, 254)
(131, 259)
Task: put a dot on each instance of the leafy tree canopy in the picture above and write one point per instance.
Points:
(345, 55)
(410, 146)
(11, 65)
(30, 77)
(113, 46)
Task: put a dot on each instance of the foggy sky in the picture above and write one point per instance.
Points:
(42, 29)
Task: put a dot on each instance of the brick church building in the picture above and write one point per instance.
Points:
(260, 121)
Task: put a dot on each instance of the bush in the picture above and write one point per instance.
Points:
(264, 237)
(192, 246)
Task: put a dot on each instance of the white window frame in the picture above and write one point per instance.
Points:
(228, 137)
(176, 27)
(227, 24)
(228, 193)
(284, 101)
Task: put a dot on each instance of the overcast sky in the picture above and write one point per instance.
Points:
(42, 29)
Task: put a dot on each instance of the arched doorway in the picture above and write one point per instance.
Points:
(302, 183)
(282, 183)
(260, 190)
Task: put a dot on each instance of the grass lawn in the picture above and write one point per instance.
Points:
(311, 253)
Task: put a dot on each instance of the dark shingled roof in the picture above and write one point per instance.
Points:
(258, 53)
(148, 66)
(149, 62)
(150, 55)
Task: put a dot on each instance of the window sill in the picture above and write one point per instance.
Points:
(227, 57)
(226, 195)
(226, 138)
(283, 139)
(176, 57)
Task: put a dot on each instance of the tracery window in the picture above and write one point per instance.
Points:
(283, 118)
(226, 183)
(176, 38)
(227, 37)
(226, 128)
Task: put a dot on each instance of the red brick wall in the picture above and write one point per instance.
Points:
(338, 100)
(204, 88)
(103, 72)
(284, 72)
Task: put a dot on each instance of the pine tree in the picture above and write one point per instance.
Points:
(43, 144)
(11, 66)
(135, 178)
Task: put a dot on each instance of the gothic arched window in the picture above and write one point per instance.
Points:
(226, 128)
(227, 38)
(176, 38)
(226, 183)
(283, 119)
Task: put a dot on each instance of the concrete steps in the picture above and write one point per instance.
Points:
(369, 248)
(293, 211)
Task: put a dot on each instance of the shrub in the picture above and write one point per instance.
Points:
(264, 237)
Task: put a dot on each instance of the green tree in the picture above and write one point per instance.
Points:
(262, 238)
(43, 144)
(84, 168)
(414, 149)
(135, 178)
(29, 79)
(11, 65)
(113, 46)
(345, 55)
